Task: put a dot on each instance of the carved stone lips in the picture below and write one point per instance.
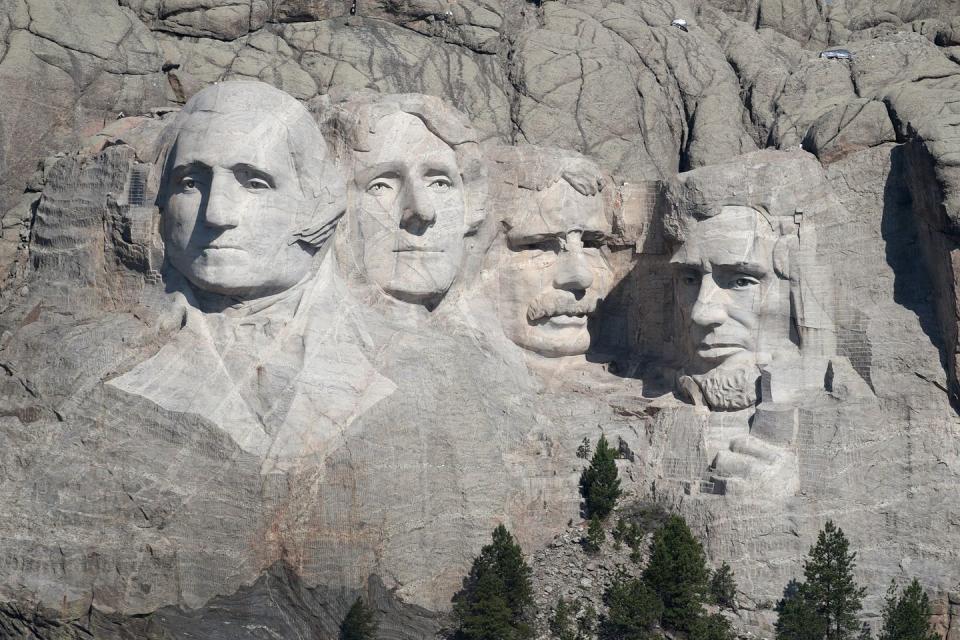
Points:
(718, 350)
(552, 306)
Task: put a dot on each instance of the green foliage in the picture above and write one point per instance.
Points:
(497, 593)
(633, 610)
(677, 572)
(826, 605)
(830, 585)
(628, 533)
(599, 482)
(907, 617)
(360, 623)
(797, 617)
(596, 536)
(723, 588)
(561, 623)
(588, 621)
(583, 451)
(713, 627)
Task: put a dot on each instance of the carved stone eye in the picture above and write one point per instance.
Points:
(257, 183)
(441, 185)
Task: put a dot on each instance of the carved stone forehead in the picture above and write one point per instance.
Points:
(257, 139)
(249, 98)
(556, 210)
(403, 136)
(736, 235)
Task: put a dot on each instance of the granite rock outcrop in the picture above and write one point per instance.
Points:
(491, 228)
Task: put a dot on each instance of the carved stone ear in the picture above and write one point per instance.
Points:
(782, 251)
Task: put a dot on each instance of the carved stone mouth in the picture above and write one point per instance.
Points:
(418, 250)
(573, 319)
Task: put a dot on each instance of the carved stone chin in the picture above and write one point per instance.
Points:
(730, 387)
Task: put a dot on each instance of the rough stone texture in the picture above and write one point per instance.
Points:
(118, 503)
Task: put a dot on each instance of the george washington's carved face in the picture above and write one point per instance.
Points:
(233, 205)
(734, 307)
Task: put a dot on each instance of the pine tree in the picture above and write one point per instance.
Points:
(359, 624)
(797, 617)
(826, 605)
(712, 627)
(830, 585)
(633, 610)
(907, 617)
(677, 572)
(723, 588)
(485, 614)
(599, 482)
(561, 623)
(596, 536)
(497, 593)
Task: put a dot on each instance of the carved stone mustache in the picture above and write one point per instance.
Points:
(561, 303)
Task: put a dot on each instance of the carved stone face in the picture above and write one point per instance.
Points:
(552, 273)
(733, 304)
(233, 204)
(410, 208)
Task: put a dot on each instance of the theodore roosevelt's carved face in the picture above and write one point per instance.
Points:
(552, 272)
(233, 204)
(410, 206)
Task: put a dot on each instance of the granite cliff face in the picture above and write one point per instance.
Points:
(414, 355)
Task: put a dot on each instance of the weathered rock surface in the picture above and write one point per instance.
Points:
(116, 503)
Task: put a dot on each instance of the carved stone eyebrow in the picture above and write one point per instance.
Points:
(186, 167)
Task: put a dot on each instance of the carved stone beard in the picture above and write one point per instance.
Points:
(729, 388)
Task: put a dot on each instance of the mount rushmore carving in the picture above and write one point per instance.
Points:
(369, 334)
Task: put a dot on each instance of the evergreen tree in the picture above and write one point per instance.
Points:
(797, 617)
(826, 605)
(359, 624)
(830, 585)
(633, 610)
(599, 482)
(561, 623)
(596, 536)
(723, 588)
(485, 614)
(712, 627)
(907, 617)
(497, 593)
(677, 572)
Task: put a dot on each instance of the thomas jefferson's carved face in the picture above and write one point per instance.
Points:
(733, 303)
(552, 272)
(409, 200)
(233, 204)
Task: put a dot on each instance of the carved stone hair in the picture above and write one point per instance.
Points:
(348, 126)
(323, 188)
(535, 168)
